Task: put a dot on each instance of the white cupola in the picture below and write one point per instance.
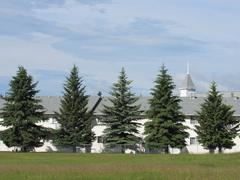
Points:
(187, 88)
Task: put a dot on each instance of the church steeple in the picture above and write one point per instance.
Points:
(188, 68)
(187, 88)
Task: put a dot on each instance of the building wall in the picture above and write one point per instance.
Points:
(3, 147)
(187, 93)
(97, 146)
(193, 147)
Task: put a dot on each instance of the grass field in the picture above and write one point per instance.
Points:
(114, 166)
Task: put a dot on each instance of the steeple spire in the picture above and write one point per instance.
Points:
(188, 68)
(187, 88)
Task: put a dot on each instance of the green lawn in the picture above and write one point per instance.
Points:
(114, 166)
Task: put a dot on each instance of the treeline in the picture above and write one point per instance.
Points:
(22, 112)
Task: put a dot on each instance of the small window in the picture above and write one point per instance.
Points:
(193, 121)
(193, 140)
(53, 121)
(97, 121)
(99, 139)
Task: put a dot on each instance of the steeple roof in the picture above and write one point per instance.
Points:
(188, 83)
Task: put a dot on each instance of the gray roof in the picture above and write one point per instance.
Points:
(188, 83)
(52, 103)
(189, 105)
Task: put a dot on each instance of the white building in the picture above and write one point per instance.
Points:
(191, 102)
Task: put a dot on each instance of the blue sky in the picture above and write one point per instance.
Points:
(100, 36)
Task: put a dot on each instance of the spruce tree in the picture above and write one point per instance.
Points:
(21, 111)
(121, 115)
(74, 117)
(165, 128)
(217, 126)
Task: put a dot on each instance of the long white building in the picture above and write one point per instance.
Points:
(190, 103)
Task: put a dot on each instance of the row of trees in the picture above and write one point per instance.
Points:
(22, 111)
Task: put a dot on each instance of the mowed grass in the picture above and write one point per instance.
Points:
(116, 166)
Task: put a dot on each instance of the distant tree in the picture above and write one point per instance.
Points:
(217, 126)
(121, 115)
(74, 117)
(21, 111)
(165, 128)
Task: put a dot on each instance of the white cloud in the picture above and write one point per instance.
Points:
(38, 54)
(208, 20)
(35, 53)
(176, 30)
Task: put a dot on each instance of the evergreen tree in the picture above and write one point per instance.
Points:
(21, 112)
(165, 127)
(121, 115)
(74, 117)
(217, 126)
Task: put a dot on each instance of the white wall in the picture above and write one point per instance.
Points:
(193, 148)
(49, 123)
(99, 147)
(187, 93)
(98, 130)
(3, 147)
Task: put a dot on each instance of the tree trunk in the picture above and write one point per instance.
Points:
(166, 150)
(211, 151)
(24, 149)
(74, 149)
(220, 151)
(88, 148)
(122, 149)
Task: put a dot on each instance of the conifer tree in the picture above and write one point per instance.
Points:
(217, 126)
(21, 111)
(121, 115)
(74, 117)
(165, 128)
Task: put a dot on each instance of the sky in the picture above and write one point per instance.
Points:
(48, 37)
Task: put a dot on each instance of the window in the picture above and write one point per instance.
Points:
(53, 121)
(99, 139)
(193, 121)
(193, 140)
(97, 120)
